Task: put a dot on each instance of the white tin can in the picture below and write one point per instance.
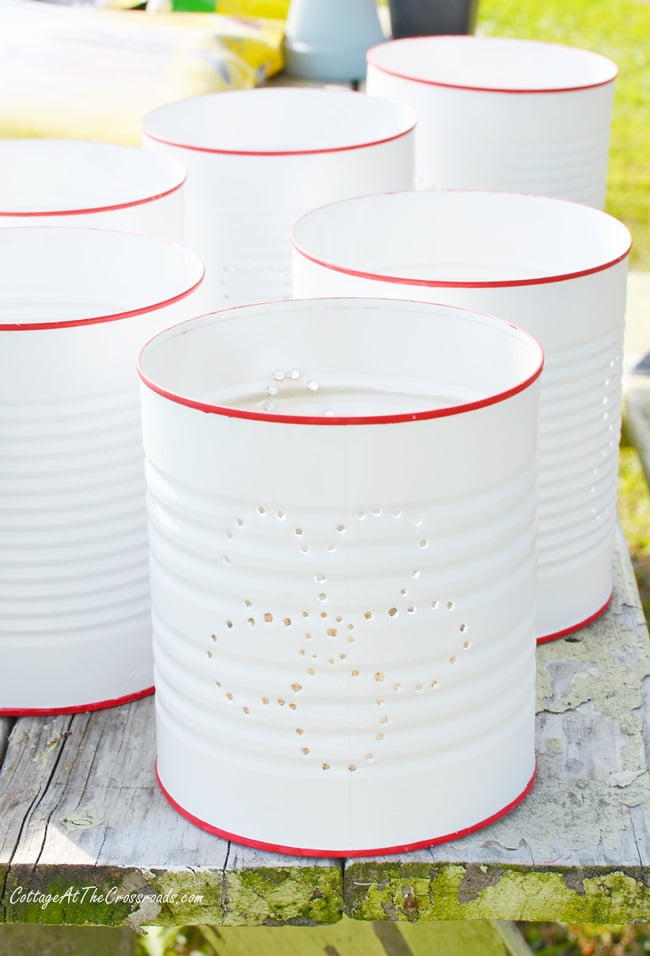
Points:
(257, 159)
(341, 502)
(502, 113)
(556, 268)
(76, 305)
(49, 182)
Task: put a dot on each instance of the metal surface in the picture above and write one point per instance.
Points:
(75, 306)
(502, 113)
(46, 182)
(343, 604)
(257, 159)
(558, 270)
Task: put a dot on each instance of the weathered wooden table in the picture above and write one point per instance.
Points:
(87, 838)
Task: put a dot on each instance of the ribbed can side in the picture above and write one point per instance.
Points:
(90, 184)
(549, 144)
(239, 208)
(339, 610)
(75, 627)
(258, 159)
(577, 316)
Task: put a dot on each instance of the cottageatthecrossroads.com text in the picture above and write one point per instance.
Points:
(93, 895)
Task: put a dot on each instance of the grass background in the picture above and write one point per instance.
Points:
(619, 29)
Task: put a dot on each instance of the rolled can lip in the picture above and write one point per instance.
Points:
(76, 708)
(605, 262)
(186, 286)
(198, 144)
(373, 851)
(91, 204)
(608, 68)
(234, 314)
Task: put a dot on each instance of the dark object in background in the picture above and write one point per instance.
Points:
(410, 18)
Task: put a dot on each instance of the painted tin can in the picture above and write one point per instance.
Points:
(257, 159)
(501, 113)
(75, 307)
(49, 182)
(342, 532)
(557, 269)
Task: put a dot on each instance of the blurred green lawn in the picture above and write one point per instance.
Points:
(619, 29)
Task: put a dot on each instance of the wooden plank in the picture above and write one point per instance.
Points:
(578, 848)
(6, 723)
(88, 838)
(270, 888)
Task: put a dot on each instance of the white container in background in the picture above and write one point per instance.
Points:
(342, 547)
(557, 269)
(45, 182)
(257, 159)
(500, 113)
(76, 305)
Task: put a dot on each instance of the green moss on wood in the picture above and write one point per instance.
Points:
(65, 895)
(457, 892)
(113, 897)
(287, 895)
(314, 895)
(188, 897)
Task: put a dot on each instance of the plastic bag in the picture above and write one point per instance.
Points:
(86, 73)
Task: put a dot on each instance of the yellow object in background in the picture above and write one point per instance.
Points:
(266, 9)
(88, 73)
(277, 9)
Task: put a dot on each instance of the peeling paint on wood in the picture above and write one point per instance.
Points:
(289, 895)
(452, 892)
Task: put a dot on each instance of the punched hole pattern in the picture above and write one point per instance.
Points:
(342, 629)
(286, 383)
